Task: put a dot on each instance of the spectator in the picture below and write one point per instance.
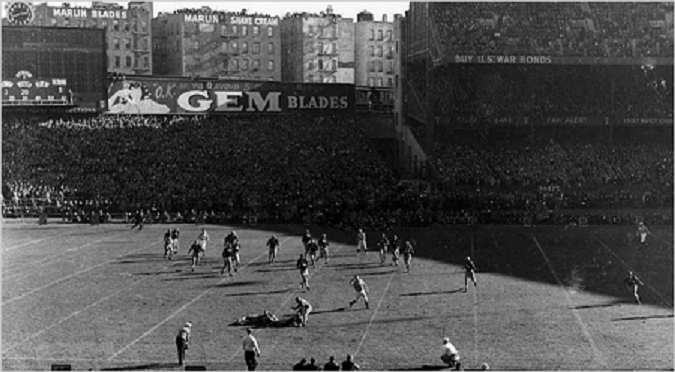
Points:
(331, 365)
(349, 365)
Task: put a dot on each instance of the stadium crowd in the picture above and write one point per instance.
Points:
(560, 29)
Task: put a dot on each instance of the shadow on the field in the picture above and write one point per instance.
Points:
(258, 293)
(160, 366)
(329, 311)
(614, 303)
(377, 273)
(275, 269)
(433, 293)
(197, 275)
(423, 368)
(364, 265)
(643, 317)
(238, 284)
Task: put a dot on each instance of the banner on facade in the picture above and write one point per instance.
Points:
(148, 96)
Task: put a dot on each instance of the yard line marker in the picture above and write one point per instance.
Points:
(631, 269)
(290, 297)
(66, 318)
(570, 303)
(50, 258)
(183, 308)
(72, 275)
(662, 240)
(7, 249)
(379, 303)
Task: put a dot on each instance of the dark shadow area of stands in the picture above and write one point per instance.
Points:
(643, 317)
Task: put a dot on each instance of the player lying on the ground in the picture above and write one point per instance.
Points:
(267, 319)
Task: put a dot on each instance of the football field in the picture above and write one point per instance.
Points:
(548, 298)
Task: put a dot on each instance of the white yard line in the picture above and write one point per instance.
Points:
(596, 352)
(197, 298)
(231, 360)
(33, 241)
(631, 269)
(43, 330)
(71, 276)
(50, 257)
(372, 317)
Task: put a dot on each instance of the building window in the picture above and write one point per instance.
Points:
(270, 65)
(126, 26)
(310, 48)
(116, 43)
(379, 51)
(244, 30)
(372, 50)
(396, 46)
(128, 61)
(396, 80)
(379, 34)
(310, 31)
(371, 66)
(256, 48)
(310, 64)
(234, 29)
(244, 47)
(335, 64)
(390, 67)
(379, 66)
(320, 64)
(223, 46)
(310, 78)
(235, 47)
(104, 24)
(244, 64)
(116, 25)
(390, 82)
(256, 30)
(388, 35)
(235, 64)
(256, 64)
(270, 48)
(118, 61)
(371, 82)
(372, 34)
(223, 30)
(146, 62)
(127, 42)
(270, 31)
(379, 82)
(66, 22)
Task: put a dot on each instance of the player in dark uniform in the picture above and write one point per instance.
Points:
(313, 248)
(303, 266)
(138, 220)
(306, 238)
(273, 246)
(227, 258)
(394, 247)
(469, 273)
(632, 282)
(323, 248)
(383, 245)
(197, 250)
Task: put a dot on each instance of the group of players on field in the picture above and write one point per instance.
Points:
(317, 249)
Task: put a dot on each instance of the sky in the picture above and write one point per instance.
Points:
(347, 9)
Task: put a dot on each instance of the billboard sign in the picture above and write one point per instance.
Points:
(162, 96)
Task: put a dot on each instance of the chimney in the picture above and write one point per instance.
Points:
(384, 18)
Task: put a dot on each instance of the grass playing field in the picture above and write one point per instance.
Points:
(548, 298)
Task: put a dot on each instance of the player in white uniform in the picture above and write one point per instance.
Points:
(303, 308)
(450, 354)
(361, 242)
(642, 232)
(361, 289)
(203, 238)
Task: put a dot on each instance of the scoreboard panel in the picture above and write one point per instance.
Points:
(35, 92)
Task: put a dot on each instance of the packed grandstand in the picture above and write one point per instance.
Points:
(496, 155)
